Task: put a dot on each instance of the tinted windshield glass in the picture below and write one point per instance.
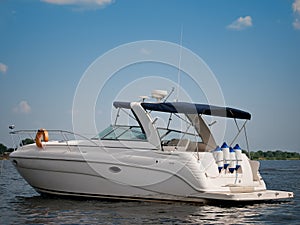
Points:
(122, 133)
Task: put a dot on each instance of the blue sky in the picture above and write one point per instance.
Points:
(253, 48)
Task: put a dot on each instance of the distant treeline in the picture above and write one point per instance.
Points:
(4, 149)
(274, 155)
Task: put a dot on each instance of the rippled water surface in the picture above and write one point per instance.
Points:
(20, 204)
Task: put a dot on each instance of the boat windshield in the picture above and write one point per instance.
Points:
(120, 132)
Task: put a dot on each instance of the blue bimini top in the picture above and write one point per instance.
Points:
(190, 108)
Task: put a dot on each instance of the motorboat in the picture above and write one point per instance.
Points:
(147, 159)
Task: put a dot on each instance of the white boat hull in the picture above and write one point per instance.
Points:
(144, 175)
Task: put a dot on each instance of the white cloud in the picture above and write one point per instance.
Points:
(241, 23)
(296, 9)
(3, 68)
(296, 6)
(85, 3)
(296, 24)
(23, 107)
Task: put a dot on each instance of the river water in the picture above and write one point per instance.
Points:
(20, 204)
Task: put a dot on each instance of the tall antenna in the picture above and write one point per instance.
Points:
(179, 64)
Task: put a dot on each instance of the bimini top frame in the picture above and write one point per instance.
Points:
(190, 108)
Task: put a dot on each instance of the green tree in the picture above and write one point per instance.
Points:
(257, 155)
(10, 150)
(269, 155)
(277, 155)
(3, 148)
(260, 154)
